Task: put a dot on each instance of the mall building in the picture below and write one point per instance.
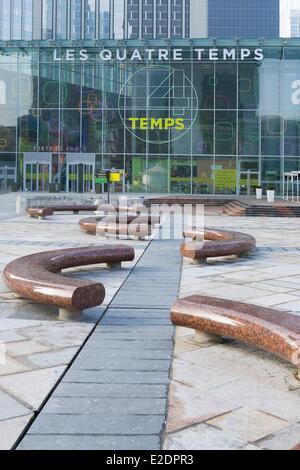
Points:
(174, 114)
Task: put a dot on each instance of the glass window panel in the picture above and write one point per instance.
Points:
(61, 19)
(49, 86)
(225, 175)
(47, 19)
(249, 124)
(27, 14)
(104, 19)
(48, 129)
(226, 86)
(119, 19)
(90, 19)
(248, 86)
(202, 175)
(16, 24)
(271, 135)
(5, 16)
(71, 131)
(225, 133)
(76, 19)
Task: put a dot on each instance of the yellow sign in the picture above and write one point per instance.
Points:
(225, 179)
(115, 177)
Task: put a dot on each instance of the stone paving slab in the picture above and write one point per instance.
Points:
(94, 390)
(109, 406)
(97, 424)
(82, 442)
(11, 408)
(11, 429)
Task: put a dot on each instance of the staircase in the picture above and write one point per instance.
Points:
(240, 209)
(185, 199)
(235, 209)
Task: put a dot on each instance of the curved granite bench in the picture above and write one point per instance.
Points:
(38, 277)
(216, 243)
(136, 230)
(127, 225)
(42, 212)
(268, 329)
(110, 208)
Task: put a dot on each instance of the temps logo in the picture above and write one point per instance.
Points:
(158, 104)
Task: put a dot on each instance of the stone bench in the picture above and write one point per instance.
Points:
(215, 243)
(110, 208)
(137, 227)
(268, 329)
(136, 230)
(38, 277)
(42, 212)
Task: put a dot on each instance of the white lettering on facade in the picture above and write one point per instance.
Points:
(296, 93)
(210, 54)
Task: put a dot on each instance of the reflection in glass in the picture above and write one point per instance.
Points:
(47, 28)
(89, 19)
(61, 19)
(76, 13)
(119, 19)
(104, 19)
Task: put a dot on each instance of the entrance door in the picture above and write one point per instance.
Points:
(80, 173)
(249, 177)
(7, 177)
(37, 171)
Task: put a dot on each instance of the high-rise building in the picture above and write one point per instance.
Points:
(243, 18)
(148, 19)
(98, 19)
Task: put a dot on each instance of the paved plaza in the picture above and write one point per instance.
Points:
(123, 377)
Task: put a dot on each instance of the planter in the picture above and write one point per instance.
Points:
(270, 195)
(258, 193)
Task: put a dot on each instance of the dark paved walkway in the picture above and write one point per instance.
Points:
(114, 396)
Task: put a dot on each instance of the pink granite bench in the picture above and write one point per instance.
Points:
(268, 329)
(138, 226)
(43, 212)
(38, 277)
(110, 208)
(215, 243)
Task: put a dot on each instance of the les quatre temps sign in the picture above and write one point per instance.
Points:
(158, 103)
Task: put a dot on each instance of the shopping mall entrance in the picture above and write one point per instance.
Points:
(80, 171)
(249, 177)
(70, 172)
(37, 171)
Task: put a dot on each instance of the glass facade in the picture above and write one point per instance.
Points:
(187, 118)
(243, 18)
(94, 19)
